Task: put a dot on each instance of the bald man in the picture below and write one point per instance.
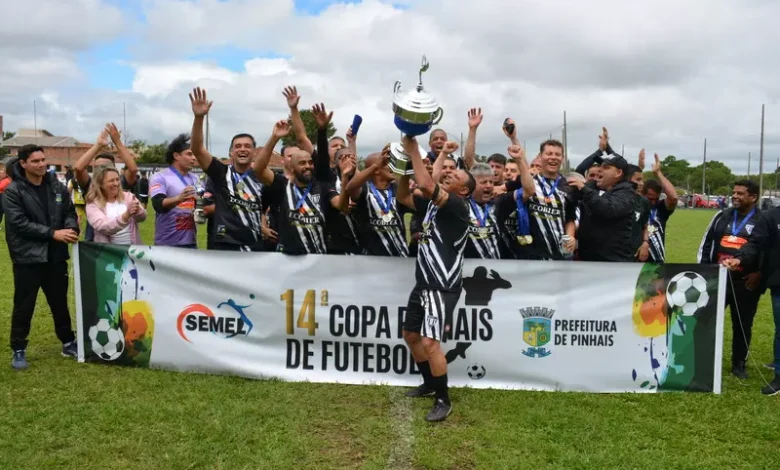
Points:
(439, 272)
(303, 202)
(379, 217)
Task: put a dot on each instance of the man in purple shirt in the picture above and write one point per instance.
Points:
(173, 193)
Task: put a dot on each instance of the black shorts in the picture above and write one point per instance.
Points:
(429, 312)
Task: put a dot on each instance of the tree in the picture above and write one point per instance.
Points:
(152, 153)
(5, 150)
(676, 171)
(311, 129)
(718, 176)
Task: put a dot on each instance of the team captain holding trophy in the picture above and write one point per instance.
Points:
(439, 267)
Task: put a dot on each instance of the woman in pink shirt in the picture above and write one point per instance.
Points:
(113, 213)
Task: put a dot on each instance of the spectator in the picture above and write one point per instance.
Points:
(113, 213)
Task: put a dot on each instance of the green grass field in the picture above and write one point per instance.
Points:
(63, 415)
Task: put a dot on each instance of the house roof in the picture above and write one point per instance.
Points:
(43, 141)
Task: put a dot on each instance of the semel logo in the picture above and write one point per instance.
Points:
(198, 318)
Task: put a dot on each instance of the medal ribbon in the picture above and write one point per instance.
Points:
(482, 216)
(653, 212)
(387, 205)
(552, 187)
(734, 229)
(181, 177)
(523, 222)
(301, 198)
(233, 174)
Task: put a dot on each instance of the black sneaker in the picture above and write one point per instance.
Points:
(773, 388)
(738, 370)
(70, 350)
(439, 412)
(421, 391)
(19, 362)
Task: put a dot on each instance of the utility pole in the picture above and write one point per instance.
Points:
(761, 161)
(124, 122)
(750, 157)
(777, 168)
(35, 121)
(623, 150)
(704, 171)
(565, 148)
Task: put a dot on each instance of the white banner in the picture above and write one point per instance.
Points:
(571, 326)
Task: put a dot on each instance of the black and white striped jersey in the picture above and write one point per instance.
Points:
(484, 241)
(381, 222)
(238, 200)
(549, 209)
(656, 228)
(301, 215)
(441, 245)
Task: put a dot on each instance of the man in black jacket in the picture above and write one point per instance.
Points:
(728, 232)
(606, 213)
(763, 246)
(40, 223)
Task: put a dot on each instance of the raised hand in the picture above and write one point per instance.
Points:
(641, 162)
(516, 152)
(350, 136)
(281, 129)
(134, 207)
(450, 147)
(102, 139)
(657, 165)
(475, 117)
(200, 103)
(113, 132)
(510, 122)
(603, 139)
(321, 115)
(293, 98)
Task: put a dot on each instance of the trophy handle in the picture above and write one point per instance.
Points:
(439, 113)
(397, 86)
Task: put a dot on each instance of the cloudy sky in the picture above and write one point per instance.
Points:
(663, 75)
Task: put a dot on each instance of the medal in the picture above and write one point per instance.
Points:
(385, 206)
(241, 186)
(521, 239)
(479, 214)
(651, 228)
(529, 239)
(736, 229)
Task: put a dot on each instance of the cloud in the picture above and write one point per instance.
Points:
(663, 75)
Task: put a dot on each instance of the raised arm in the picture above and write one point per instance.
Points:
(449, 148)
(355, 185)
(404, 195)
(470, 150)
(347, 168)
(260, 165)
(299, 130)
(518, 155)
(322, 162)
(666, 186)
(81, 165)
(425, 183)
(200, 108)
(124, 154)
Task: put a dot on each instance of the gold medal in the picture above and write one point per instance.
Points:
(651, 229)
(732, 238)
(387, 217)
(529, 239)
(521, 240)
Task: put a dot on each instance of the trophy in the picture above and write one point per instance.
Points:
(416, 111)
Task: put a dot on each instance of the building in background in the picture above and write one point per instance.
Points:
(60, 150)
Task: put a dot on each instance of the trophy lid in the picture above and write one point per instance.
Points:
(417, 99)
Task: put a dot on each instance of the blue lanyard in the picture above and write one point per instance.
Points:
(552, 187)
(386, 206)
(734, 229)
(233, 174)
(523, 222)
(653, 213)
(301, 198)
(181, 178)
(482, 216)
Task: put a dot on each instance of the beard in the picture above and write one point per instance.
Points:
(303, 177)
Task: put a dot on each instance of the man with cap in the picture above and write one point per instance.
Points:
(606, 213)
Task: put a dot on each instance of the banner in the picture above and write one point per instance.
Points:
(527, 325)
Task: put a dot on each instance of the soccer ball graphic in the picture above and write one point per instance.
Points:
(108, 343)
(688, 292)
(476, 371)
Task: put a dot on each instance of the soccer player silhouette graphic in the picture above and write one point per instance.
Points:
(479, 288)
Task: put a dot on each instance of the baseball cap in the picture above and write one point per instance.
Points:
(617, 161)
